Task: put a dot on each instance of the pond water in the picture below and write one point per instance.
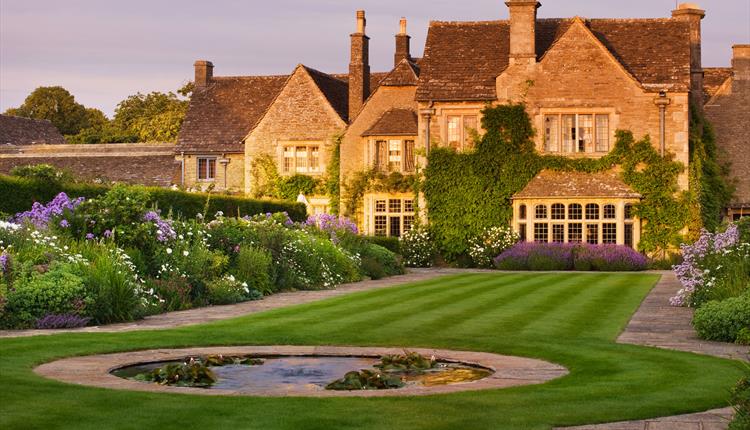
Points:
(311, 373)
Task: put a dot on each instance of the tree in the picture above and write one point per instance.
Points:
(57, 105)
(152, 117)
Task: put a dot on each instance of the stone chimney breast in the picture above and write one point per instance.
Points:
(403, 44)
(741, 62)
(523, 30)
(359, 67)
(204, 72)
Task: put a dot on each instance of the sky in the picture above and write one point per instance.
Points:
(104, 51)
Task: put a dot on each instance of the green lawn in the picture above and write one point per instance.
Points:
(570, 319)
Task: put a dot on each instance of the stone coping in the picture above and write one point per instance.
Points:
(94, 370)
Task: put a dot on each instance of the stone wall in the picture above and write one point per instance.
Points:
(729, 113)
(300, 114)
(229, 176)
(134, 163)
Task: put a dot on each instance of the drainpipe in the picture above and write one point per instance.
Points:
(224, 161)
(427, 114)
(662, 101)
(182, 169)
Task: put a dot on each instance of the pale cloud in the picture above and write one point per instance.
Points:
(103, 51)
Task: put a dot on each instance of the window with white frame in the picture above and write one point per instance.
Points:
(393, 216)
(301, 159)
(394, 155)
(206, 168)
(576, 133)
(459, 129)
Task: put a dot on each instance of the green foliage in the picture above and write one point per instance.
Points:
(406, 362)
(19, 194)
(268, 183)
(740, 399)
(191, 373)
(709, 187)
(291, 187)
(42, 172)
(110, 284)
(175, 291)
(153, 117)
(390, 243)
(378, 262)
(372, 180)
(366, 380)
(56, 105)
(418, 247)
(40, 291)
(226, 291)
(469, 192)
(723, 320)
(254, 266)
(333, 176)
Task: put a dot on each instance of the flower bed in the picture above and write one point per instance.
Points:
(570, 256)
(117, 258)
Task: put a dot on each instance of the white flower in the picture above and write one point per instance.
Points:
(185, 253)
(169, 250)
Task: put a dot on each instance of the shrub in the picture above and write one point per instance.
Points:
(254, 267)
(378, 262)
(715, 267)
(740, 399)
(491, 243)
(570, 256)
(110, 280)
(609, 258)
(20, 193)
(390, 243)
(417, 247)
(175, 293)
(723, 320)
(42, 172)
(228, 290)
(37, 293)
(309, 262)
(53, 321)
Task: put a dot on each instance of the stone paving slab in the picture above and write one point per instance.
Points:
(94, 370)
(656, 323)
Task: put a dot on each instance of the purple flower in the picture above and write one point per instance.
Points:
(41, 215)
(64, 223)
(164, 230)
(4, 262)
(54, 321)
(90, 236)
(107, 233)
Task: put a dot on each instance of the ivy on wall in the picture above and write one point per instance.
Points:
(333, 176)
(269, 184)
(372, 180)
(468, 192)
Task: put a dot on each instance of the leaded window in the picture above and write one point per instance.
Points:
(592, 211)
(558, 211)
(540, 212)
(610, 212)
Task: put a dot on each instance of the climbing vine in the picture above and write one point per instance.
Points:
(469, 192)
(333, 178)
(373, 180)
(268, 183)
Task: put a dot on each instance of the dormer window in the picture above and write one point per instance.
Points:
(576, 133)
(394, 155)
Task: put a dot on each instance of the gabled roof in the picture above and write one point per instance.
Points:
(221, 115)
(463, 59)
(336, 91)
(405, 74)
(554, 184)
(15, 130)
(713, 79)
(395, 122)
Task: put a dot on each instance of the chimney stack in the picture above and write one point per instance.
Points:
(741, 62)
(403, 44)
(523, 30)
(693, 14)
(359, 67)
(204, 71)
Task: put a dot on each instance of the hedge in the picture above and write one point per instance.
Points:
(19, 194)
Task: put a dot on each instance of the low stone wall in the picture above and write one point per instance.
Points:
(150, 164)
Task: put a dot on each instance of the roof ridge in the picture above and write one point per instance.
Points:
(247, 77)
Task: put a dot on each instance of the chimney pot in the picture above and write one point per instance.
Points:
(361, 22)
(692, 14)
(403, 44)
(204, 72)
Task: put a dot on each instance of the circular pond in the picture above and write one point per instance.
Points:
(300, 371)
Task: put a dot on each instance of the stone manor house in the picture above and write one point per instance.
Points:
(581, 80)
